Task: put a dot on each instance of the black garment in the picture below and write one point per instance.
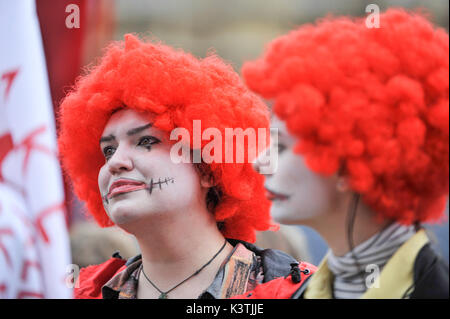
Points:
(430, 276)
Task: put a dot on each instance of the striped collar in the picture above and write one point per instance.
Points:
(394, 280)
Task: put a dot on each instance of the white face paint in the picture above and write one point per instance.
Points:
(148, 183)
(298, 194)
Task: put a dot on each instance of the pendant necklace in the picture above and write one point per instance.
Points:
(164, 294)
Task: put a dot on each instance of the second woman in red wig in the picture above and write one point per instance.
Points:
(363, 119)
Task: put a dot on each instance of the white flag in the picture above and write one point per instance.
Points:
(34, 242)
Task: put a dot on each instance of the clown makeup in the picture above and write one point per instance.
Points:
(123, 186)
(298, 195)
(138, 180)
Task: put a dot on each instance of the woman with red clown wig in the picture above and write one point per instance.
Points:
(363, 119)
(116, 146)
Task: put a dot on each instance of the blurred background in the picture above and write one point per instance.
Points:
(236, 30)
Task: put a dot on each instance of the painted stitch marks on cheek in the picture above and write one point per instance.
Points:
(160, 184)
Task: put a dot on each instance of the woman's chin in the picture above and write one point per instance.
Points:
(123, 217)
(282, 217)
(288, 217)
(130, 214)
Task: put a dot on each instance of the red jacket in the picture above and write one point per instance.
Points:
(282, 287)
(92, 278)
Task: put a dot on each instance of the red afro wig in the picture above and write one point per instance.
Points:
(372, 102)
(176, 88)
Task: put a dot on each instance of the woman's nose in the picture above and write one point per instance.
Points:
(120, 161)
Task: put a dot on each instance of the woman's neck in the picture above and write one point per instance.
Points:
(178, 236)
(333, 227)
(175, 245)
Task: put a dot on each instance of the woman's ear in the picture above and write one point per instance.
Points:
(207, 180)
(342, 185)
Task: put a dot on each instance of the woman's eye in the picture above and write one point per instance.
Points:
(148, 141)
(108, 151)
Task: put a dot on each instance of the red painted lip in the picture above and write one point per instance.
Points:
(271, 195)
(122, 185)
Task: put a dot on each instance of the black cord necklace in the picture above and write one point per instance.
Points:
(164, 294)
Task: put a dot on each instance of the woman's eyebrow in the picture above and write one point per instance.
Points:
(133, 131)
(108, 138)
(139, 129)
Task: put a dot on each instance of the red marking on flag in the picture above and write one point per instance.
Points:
(6, 231)
(30, 144)
(9, 232)
(6, 146)
(28, 264)
(9, 78)
(29, 294)
(3, 288)
(44, 214)
(26, 221)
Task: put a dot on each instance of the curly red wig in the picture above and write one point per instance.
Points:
(373, 102)
(177, 88)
